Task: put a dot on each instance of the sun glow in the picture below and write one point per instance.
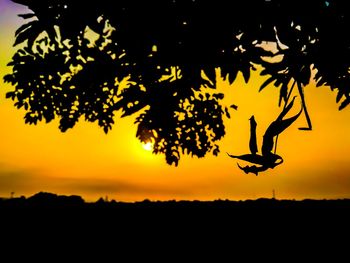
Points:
(148, 146)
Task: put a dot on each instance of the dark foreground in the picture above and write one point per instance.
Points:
(65, 210)
(270, 223)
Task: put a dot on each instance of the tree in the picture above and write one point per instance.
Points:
(159, 60)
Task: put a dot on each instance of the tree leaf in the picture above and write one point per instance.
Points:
(26, 16)
(211, 74)
(345, 103)
(227, 113)
(232, 76)
(283, 93)
(10, 94)
(266, 83)
(25, 27)
(246, 73)
(339, 96)
(233, 106)
(219, 96)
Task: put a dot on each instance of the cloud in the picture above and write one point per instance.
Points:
(97, 186)
(331, 181)
(15, 180)
(30, 182)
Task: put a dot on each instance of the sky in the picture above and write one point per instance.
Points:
(86, 162)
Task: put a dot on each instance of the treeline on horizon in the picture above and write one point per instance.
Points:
(46, 199)
(53, 215)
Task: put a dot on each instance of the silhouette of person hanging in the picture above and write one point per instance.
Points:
(268, 159)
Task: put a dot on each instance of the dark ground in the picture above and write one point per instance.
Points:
(61, 224)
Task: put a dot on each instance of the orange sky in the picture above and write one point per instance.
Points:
(87, 162)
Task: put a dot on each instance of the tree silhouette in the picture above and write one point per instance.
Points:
(158, 60)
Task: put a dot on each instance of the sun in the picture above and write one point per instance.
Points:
(148, 146)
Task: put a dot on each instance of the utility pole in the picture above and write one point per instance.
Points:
(273, 194)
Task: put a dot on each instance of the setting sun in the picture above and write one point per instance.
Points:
(156, 121)
(148, 146)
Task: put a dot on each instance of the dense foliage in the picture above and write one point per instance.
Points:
(157, 60)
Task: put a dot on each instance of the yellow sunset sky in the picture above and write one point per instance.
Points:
(86, 162)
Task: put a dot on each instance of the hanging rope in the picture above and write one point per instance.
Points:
(284, 107)
(309, 124)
